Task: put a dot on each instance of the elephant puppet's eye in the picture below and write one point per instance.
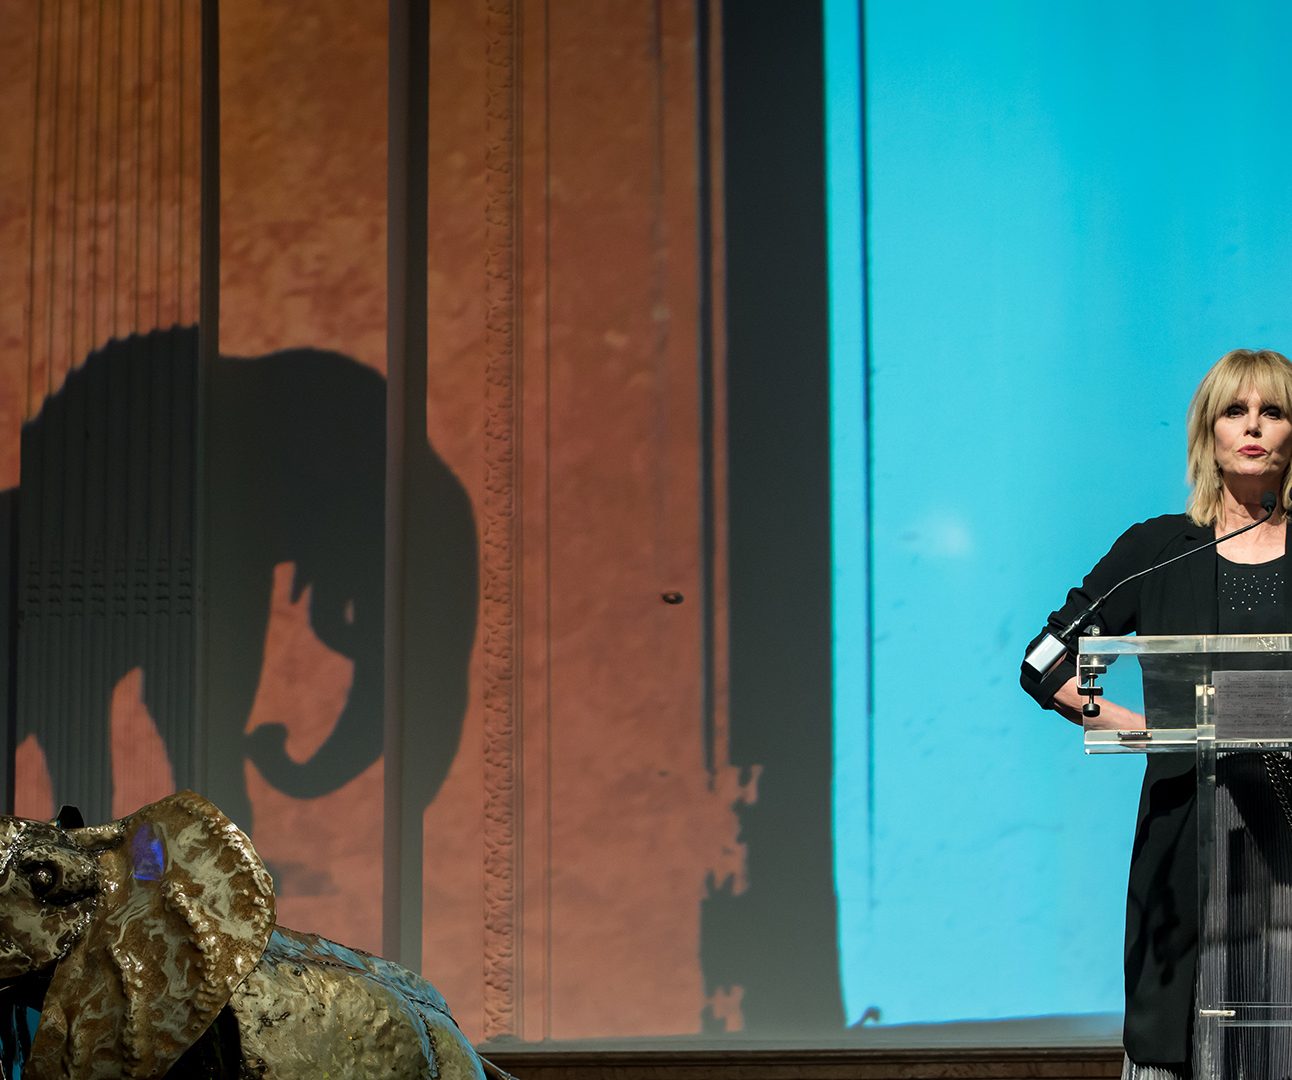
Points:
(43, 877)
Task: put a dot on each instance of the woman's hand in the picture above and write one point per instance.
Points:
(1112, 717)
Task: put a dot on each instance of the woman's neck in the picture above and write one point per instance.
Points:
(1236, 517)
(1241, 505)
(1265, 542)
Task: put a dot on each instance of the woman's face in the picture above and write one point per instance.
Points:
(1253, 438)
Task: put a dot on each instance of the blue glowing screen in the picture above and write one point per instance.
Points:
(1071, 210)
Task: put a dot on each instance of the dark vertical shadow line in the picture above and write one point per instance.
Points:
(181, 641)
(868, 509)
(9, 510)
(414, 409)
(164, 617)
(49, 698)
(161, 649)
(547, 514)
(64, 483)
(398, 46)
(153, 465)
(11, 566)
(75, 482)
(93, 672)
(208, 350)
(109, 646)
(781, 931)
(704, 273)
(406, 336)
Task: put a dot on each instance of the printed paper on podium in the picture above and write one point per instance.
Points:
(1253, 705)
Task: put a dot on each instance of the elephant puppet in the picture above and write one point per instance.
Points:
(149, 948)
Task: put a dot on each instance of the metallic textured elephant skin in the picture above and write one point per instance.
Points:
(149, 948)
(313, 1009)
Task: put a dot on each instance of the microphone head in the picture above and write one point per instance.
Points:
(1268, 502)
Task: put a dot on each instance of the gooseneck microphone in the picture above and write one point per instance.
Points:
(1046, 653)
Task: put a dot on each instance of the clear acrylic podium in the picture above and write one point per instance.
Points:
(1228, 700)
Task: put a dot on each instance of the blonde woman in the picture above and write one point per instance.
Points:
(1240, 446)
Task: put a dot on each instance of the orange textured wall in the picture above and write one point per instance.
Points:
(303, 178)
(588, 805)
(607, 803)
(303, 265)
(18, 25)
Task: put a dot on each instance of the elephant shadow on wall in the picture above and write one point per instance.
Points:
(109, 570)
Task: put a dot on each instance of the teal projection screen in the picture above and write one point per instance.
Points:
(1069, 211)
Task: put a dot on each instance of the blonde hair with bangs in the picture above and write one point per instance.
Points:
(1237, 372)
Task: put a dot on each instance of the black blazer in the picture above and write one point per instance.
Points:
(1162, 897)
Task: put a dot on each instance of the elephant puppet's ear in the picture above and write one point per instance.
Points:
(186, 910)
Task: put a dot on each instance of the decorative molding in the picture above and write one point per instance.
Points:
(1051, 1063)
(499, 623)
